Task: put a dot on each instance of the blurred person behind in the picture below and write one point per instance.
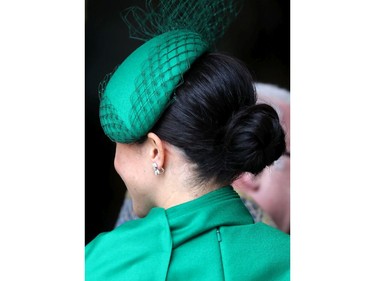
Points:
(270, 189)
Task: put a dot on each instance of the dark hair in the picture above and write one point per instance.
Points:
(215, 121)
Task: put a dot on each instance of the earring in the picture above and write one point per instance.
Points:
(157, 171)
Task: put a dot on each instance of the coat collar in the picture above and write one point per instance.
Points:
(222, 207)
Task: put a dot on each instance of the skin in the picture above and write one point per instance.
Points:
(271, 191)
(133, 162)
(271, 188)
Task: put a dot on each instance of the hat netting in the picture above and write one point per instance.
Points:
(140, 89)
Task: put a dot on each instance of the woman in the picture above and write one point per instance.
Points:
(267, 195)
(186, 125)
(195, 225)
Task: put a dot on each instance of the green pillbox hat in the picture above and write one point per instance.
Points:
(141, 87)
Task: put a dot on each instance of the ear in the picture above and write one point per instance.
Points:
(247, 182)
(156, 149)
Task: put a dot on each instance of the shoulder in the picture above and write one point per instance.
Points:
(154, 221)
(258, 251)
(263, 236)
(269, 235)
(114, 253)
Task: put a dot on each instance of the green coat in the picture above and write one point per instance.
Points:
(210, 238)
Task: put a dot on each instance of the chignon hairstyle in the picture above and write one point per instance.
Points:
(215, 120)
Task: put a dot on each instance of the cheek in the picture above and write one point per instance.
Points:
(116, 164)
(274, 188)
(278, 180)
(123, 167)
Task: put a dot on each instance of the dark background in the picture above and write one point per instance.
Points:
(260, 37)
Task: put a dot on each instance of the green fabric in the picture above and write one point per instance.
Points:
(210, 238)
(141, 87)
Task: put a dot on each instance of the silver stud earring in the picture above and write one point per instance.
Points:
(157, 171)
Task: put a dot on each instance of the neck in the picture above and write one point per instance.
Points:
(178, 194)
(177, 184)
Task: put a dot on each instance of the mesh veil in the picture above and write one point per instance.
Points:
(210, 19)
(136, 93)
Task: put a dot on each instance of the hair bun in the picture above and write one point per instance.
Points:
(254, 138)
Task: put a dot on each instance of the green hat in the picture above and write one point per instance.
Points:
(142, 87)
